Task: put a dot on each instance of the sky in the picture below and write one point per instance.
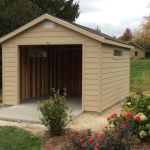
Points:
(112, 16)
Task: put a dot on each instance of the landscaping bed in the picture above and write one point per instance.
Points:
(87, 120)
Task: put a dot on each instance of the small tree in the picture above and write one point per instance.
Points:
(98, 29)
(127, 35)
(55, 113)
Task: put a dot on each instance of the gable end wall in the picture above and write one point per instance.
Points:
(141, 53)
(91, 62)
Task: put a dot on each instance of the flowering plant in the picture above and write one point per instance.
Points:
(140, 106)
(117, 138)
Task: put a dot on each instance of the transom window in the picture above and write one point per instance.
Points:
(48, 25)
(118, 52)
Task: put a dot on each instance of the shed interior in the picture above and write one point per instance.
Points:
(44, 67)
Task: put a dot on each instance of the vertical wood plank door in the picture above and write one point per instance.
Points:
(62, 67)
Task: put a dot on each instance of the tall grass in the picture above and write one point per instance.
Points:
(141, 83)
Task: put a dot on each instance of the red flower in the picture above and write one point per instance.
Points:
(81, 140)
(108, 118)
(123, 125)
(112, 116)
(115, 115)
(78, 135)
(90, 140)
(129, 113)
(123, 140)
(137, 118)
(116, 135)
(126, 117)
(71, 135)
(100, 137)
(96, 148)
(106, 127)
(120, 115)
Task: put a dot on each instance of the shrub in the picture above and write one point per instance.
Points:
(55, 113)
(117, 138)
(140, 107)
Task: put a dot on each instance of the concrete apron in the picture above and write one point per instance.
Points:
(27, 110)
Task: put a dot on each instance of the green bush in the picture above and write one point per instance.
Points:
(137, 111)
(55, 113)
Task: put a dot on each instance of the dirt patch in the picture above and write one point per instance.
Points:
(56, 143)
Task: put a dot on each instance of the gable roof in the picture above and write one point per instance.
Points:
(73, 26)
(131, 43)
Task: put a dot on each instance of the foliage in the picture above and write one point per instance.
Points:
(14, 138)
(127, 35)
(139, 69)
(139, 106)
(112, 138)
(65, 9)
(55, 113)
(98, 29)
(15, 13)
(142, 36)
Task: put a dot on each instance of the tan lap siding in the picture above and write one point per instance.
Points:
(91, 58)
(91, 77)
(115, 76)
(9, 84)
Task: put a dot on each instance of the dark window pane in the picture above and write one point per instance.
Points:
(117, 53)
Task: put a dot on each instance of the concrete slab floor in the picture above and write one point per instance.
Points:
(27, 110)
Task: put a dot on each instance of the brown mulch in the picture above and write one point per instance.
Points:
(142, 146)
(56, 143)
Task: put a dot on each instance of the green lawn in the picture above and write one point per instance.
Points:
(137, 67)
(13, 138)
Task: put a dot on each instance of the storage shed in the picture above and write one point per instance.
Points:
(49, 52)
(138, 52)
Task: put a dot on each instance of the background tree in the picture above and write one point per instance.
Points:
(142, 35)
(98, 29)
(64, 9)
(15, 13)
(127, 35)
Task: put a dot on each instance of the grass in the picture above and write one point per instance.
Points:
(13, 138)
(139, 73)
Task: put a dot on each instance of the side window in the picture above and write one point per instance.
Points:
(118, 53)
(136, 53)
